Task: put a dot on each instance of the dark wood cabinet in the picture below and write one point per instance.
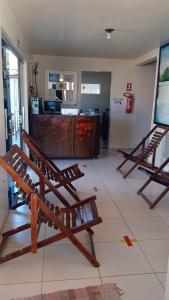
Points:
(62, 136)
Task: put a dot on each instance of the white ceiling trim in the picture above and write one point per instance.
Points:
(147, 58)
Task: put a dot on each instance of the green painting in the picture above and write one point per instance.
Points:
(161, 114)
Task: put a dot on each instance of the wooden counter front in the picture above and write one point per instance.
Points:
(61, 136)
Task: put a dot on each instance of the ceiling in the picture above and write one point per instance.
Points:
(76, 27)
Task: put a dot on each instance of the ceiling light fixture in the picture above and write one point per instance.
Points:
(61, 79)
(61, 76)
(108, 33)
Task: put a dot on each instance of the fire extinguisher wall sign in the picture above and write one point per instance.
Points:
(128, 87)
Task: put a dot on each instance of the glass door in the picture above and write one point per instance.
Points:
(12, 103)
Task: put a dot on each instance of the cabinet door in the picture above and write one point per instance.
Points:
(86, 136)
(54, 134)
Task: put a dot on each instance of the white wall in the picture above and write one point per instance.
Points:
(9, 27)
(144, 86)
(125, 129)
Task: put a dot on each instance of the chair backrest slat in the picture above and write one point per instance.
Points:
(154, 142)
(14, 164)
(36, 151)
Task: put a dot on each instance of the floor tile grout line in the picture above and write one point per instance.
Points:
(164, 222)
(100, 275)
(135, 238)
(138, 243)
(108, 276)
(54, 280)
(107, 242)
(124, 218)
(81, 278)
(159, 281)
(155, 216)
(133, 234)
(18, 283)
(101, 180)
(96, 242)
(71, 279)
(126, 275)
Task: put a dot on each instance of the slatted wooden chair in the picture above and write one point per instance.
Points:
(41, 181)
(67, 220)
(62, 177)
(145, 152)
(160, 177)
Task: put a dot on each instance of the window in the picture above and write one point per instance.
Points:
(90, 88)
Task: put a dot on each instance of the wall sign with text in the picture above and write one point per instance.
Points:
(129, 87)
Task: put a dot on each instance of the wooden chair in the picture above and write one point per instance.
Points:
(44, 184)
(67, 221)
(63, 178)
(161, 177)
(50, 170)
(145, 150)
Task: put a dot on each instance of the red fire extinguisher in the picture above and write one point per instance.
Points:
(129, 104)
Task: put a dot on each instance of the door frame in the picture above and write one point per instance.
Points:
(23, 77)
(79, 93)
(7, 106)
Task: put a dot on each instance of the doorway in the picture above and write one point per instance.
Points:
(12, 104)
(95, 96)
(12, 99)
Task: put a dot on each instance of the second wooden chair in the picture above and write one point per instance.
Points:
(161, 177)
(145, 152)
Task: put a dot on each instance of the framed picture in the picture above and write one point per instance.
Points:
(53, 77)
(161, 113)
(62, 85)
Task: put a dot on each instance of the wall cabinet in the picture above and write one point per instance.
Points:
(67, 136)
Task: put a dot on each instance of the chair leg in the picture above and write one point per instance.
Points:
(16, 230)
(154, 203)
(8, 233)
(143, 186)
(72, 193)
(49, 241)
(15, 206)
(159, 198)
(130, 170)
(72, 186)
(91, 233)
(91, 258)
(139, 192)
(119, 167)
(68, 234)
(34, 207)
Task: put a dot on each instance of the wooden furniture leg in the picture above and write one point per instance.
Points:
(34, 207)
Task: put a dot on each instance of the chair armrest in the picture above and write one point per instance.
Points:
(79, 204)
(146, 171)
(123, 152)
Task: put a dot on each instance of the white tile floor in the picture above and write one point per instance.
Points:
(139, 270)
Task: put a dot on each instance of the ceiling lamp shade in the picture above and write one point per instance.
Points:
(108, 33)
(61, 78)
